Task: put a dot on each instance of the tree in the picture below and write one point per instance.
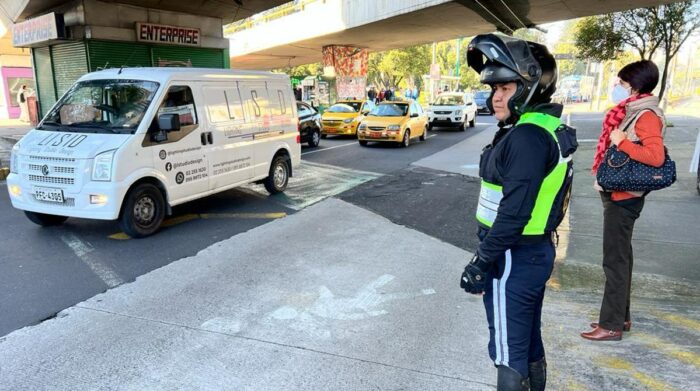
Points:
(645, 30)
(315, 69)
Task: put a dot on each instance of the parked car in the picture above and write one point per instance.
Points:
(343, 117)
(309, 124)
(480, 98)
(452, 109)
(396, 121)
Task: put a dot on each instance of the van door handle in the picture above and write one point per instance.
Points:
(210, 138)
(203, 138)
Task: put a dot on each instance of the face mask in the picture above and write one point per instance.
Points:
(619, 93)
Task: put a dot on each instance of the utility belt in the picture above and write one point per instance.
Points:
(524, 240)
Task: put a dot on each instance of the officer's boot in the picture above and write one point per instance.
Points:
(538, 374)
(510, 380)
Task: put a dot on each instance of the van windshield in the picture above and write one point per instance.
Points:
(101, 106)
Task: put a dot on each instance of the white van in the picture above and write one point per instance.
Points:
(131, 143)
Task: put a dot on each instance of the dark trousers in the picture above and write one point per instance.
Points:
(513, 300)
(618, 224)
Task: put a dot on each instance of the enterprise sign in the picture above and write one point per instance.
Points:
(40, 29)
(172, 35)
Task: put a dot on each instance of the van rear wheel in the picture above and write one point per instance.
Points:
(143, 211)
(276, 181)
(45, 220)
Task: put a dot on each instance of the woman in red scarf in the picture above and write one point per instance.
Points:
(636, 127)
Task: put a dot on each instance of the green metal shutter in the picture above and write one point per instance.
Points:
(108, 54)
(69, 64)
(44, 79)
(199, 57)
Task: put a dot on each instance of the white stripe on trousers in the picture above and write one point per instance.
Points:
(499, 313)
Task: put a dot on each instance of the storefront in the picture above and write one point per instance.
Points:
(12, 79)
(92, 35)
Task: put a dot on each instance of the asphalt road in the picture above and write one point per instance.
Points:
(45, 270)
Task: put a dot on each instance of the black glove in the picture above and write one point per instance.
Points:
(474, 277)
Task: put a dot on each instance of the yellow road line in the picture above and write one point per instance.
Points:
(194, 216)
(626, 366)
(678, 320)
(669, 349)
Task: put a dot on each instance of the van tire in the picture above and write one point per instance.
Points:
(45, 220)
(143, 211)
(278, 178)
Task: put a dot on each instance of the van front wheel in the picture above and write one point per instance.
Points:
(45, 220)
(276, 181)
(143, 211)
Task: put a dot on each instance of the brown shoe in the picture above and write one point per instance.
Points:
(601, 334)
(626, 326)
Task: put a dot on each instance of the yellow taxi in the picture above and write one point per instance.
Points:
(394, 121)
(344, 116)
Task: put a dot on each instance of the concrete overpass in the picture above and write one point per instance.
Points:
(298, 38)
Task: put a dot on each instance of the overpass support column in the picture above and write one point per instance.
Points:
(349, 66)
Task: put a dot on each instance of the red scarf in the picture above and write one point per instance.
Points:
(612, 120)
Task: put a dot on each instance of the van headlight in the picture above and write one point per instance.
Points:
(348, 120)
(14, 159)
(393, 128)
(102, 166)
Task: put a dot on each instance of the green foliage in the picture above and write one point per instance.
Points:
(597, 39)
(315, 69)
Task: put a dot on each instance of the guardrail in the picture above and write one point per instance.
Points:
(268, 16)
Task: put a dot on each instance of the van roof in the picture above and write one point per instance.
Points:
(166, 74)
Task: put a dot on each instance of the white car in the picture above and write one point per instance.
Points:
(452, 109)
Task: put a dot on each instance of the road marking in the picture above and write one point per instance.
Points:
(82, 251)
(329, 148)
(626, 366)
(206, 216)
(678, 320)
(669, 349)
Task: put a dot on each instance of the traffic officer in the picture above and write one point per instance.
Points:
(525, 185)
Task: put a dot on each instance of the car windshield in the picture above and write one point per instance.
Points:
(102, 106)
(342, 108)
(355, 105)
(449, 100)
(482, 94)
(389, 110)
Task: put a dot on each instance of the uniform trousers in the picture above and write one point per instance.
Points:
(513, 300)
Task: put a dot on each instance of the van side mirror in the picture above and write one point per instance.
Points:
(169, 122)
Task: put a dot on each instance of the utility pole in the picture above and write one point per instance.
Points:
(458, 63)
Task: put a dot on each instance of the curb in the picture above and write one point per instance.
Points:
(4, 172)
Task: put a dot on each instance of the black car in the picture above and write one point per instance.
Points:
(309, 124)
(480, 98)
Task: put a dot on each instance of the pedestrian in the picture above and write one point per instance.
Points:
(372, 94)
(414, 93)
(22, 96)
(389, 93)
(525, 183)
(380, 96)
(407, 93)
(297, 93)
(638, 113)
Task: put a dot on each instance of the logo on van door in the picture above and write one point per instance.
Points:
(162, 154)
(179, 178)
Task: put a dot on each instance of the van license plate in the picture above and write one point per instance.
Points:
(49, 195)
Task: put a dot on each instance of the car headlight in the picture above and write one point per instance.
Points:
(14, 159)
(363, 126)
(458, 112)
(102, 166)
(393, 128)
(348, 120)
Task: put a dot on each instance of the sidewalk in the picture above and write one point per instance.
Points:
(294, 305)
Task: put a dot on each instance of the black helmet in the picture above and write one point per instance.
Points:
(502, 59)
